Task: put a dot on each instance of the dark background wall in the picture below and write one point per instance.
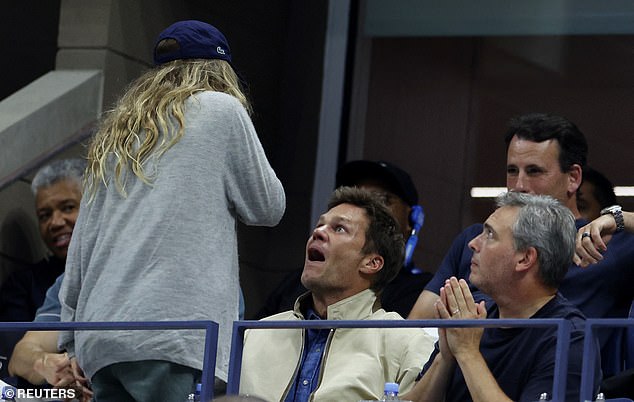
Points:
(29, 44)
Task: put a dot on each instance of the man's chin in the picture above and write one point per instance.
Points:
(60, 253)
(307, 281)
(473, 279)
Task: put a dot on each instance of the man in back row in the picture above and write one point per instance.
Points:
(519, 259)
(546, 155)
(595, 193)
(355, 249)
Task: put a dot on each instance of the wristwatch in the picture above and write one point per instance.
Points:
(617, 213)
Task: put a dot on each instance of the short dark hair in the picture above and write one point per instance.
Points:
(603, 187)
(539, 127)
(383, 235)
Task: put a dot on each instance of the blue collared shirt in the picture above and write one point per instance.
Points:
(307, 378)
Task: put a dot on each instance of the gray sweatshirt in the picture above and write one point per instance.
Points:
(168, 251)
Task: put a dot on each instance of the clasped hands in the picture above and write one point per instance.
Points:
(63, 372)
(456, 302)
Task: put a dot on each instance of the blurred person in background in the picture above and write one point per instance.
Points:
(595, 193)
(57, 188)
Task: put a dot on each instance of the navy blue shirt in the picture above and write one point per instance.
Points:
(24, 290)
(307, 379)
(602, 290)
(21, 295)
(522, 360)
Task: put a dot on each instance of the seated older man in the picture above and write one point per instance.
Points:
(519, 259)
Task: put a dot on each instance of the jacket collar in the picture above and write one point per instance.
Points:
(356, 307)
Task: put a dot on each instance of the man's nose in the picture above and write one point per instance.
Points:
(473, 244)
(320, 232)
(57, 219)
(520, 183)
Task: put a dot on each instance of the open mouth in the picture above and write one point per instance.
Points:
(315, 255)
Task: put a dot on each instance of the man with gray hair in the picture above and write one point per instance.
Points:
(57, 188)
(519, 259)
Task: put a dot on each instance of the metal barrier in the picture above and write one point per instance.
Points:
(590, 348)
(561, 354)
(210, 327)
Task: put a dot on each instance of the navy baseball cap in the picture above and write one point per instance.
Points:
(196, 40)
(395, 178)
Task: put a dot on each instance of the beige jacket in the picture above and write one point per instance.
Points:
(357, 361)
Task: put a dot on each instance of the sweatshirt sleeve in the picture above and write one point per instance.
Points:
(71, 285)
(252, 186)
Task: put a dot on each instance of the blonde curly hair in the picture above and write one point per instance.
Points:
(148, 119)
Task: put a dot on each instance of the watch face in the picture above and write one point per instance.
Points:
(616, 212)
(611, 209)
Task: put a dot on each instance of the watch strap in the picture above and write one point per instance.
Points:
(617, 213)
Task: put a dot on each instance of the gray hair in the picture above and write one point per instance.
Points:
(61, 169)
(544, 223)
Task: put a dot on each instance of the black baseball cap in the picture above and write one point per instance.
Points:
(396, 179)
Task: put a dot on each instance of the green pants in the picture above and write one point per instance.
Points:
(144, 381)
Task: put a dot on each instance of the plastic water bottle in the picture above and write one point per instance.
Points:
(390, 392)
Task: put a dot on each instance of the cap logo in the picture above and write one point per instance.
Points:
(220, 50)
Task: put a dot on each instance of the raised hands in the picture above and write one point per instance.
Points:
(456, 302)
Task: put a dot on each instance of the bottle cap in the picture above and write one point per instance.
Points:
(391, 387)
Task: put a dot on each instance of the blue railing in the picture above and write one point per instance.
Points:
(590, 348)
(210, 327)
(561, 357)
(235, 363)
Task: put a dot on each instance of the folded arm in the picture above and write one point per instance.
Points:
(593, 238)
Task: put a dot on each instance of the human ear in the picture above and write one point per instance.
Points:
(575, 177)
(527, 259)
(372, 264)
